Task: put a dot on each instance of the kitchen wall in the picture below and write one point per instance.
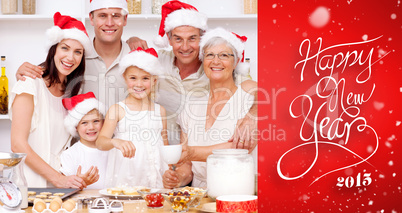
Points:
(22, 36)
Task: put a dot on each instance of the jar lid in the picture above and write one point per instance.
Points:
(230, 151)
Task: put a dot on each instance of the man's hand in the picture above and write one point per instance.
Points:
(135, 42)
(91, 176)
(127, 148)
(245, 136)
(30, 70)
(170, 179)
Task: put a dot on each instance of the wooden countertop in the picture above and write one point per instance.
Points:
(131, 206)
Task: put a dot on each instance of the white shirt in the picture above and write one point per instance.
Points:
(47, 137)
(192, 122)
(173, 92)
(80, 154)
(106, 83)
(143, 129)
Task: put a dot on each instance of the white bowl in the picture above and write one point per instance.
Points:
(171, 153)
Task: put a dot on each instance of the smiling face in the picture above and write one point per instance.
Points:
(217, 69)
(68, 56)
(108, 24)
(139, 82)
(89, 126)
(185, 42)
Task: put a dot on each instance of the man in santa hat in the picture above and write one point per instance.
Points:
(108, 17)
(182, 27)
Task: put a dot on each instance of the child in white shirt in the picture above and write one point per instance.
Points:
(135, 128)
(84, 120)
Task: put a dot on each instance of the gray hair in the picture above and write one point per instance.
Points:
(169, 34)
(218, 41)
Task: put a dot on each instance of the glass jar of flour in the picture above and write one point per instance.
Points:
(230, 171)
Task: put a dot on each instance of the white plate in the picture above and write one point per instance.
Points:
(209, 207)
(104, 192)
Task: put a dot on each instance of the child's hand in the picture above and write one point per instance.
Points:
(71, 181)
(127, 148)
(91, 176)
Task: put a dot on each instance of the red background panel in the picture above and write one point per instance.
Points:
(362, 98)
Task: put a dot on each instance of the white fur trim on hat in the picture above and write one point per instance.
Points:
(80, 110)
(185, 17)
(55, 35)
(243, 68)
(231, 39)
(182, 17)
(101, 4)
(142, 60)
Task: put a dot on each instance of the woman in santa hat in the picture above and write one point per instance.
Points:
(217, 113)
(36, 105)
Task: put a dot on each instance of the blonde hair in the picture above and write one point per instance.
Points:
(154, 78)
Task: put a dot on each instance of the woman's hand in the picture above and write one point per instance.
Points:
(91, 176)
(127, 148)
(170, 179)
(187, 154)
(71, 181)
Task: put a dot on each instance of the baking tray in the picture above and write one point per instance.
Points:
(67, 192)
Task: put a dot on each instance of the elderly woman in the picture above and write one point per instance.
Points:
(209, 122)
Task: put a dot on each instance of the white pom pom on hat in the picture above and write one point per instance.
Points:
(161, 41)
(174, 14)
(78, 106)
(232, 38)
(143, 59)
(66, 27)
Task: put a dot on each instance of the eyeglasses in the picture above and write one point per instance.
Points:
(221, 56)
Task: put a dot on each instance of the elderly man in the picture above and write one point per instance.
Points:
(182, 27)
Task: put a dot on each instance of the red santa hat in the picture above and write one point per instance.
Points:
(100, 4)
(232, 38)
(78, 106)
(66, 27)
(176, 14)
(143, 59)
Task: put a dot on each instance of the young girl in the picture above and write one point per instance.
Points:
(36, 105)
(134, 158)
(85, 120)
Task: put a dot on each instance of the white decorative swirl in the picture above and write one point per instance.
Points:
(316, 157)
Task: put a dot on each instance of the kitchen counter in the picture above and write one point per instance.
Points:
(130, 206)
